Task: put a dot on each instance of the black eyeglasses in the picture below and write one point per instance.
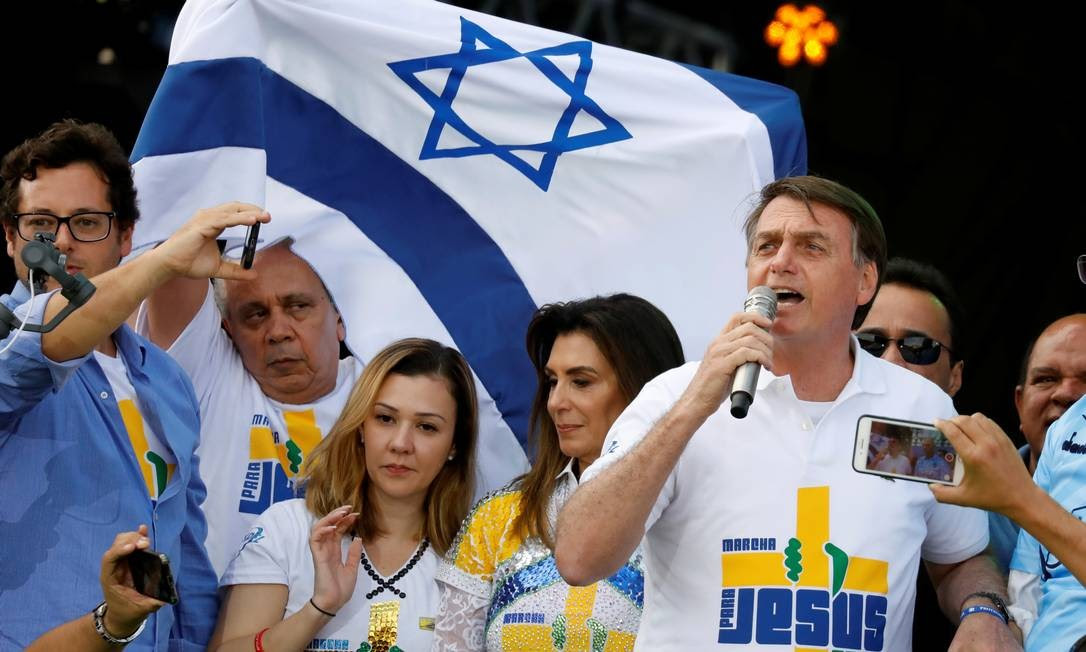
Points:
(914, 349)
(86, 226)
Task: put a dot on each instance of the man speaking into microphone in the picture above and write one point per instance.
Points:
(757, 532)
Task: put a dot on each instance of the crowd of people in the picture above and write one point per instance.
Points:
(308, 501)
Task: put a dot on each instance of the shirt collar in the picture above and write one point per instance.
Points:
(20, 293)
(867, 375)
(130, 345)
(568, 473)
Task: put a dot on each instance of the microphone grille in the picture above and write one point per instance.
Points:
(762, 299)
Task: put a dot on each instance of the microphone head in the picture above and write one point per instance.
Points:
(762, 300)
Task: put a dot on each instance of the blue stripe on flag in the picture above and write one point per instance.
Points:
(458, 268)
(778, 109)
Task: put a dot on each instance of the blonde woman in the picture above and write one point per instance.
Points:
(351, 566)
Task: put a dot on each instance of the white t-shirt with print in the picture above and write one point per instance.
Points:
(155, 460)
(276, 551)
(251, 447)
(764, 537)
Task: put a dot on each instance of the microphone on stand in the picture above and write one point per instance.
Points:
(763, 301)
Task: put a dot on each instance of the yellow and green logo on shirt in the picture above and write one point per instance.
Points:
(811, 595)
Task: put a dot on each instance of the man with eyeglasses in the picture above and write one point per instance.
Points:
(98, 427)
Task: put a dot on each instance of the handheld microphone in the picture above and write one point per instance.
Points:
(763, 301)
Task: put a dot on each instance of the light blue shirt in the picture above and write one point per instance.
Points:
(934, 468)
(70, 483)
(1061, 472)
(1002, 531)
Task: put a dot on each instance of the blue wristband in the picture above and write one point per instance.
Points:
(979, 608)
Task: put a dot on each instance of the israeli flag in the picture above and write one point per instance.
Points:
(446, 172)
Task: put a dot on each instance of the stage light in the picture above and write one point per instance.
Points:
(800, 33)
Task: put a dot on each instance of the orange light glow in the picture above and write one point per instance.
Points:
(774, 33)
(801, 33)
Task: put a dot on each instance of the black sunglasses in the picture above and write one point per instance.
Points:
(915, 349)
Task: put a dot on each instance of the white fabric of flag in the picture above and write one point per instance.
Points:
(447, 172)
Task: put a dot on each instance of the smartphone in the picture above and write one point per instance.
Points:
(249, 250)
(151, 575)
(908, 450)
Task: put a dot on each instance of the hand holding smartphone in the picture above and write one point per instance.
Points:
(151, 575)
(895, 448)
(249, 250)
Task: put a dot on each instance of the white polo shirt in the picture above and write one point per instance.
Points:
(764, 537)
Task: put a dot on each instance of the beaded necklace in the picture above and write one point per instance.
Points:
(382, 583)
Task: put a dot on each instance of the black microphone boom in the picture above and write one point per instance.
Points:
(41, 256)
(763, 301)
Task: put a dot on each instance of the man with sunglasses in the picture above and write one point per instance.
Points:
(98, 427)
(916, 323)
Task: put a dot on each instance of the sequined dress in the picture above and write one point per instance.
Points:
(502, 593)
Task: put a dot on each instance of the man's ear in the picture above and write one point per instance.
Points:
(869, 283)
(955, 378)
(126, 240)
(10, 235)
(1018, 402)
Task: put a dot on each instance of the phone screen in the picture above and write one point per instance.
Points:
(151, 575)
(905, 449)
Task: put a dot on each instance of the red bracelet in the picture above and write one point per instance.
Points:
(258, 642)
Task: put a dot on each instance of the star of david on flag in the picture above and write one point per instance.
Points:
(403, 147)
(495, 50)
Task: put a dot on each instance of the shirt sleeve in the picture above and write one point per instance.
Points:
(1027, 552)
(264, 554)
(635, 422)
(26, 374)
(1024, 597)
(954, 533)
(461, 621)
(202, 347)
(484, 540)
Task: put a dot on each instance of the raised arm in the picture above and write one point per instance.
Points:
(996, 480)
(189, 253)
(604, 520)
(252, 610)
(171, 307)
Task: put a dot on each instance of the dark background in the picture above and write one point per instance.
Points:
(955, 120)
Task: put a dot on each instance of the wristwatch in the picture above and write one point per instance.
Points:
(995, 599)
(100, 627)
